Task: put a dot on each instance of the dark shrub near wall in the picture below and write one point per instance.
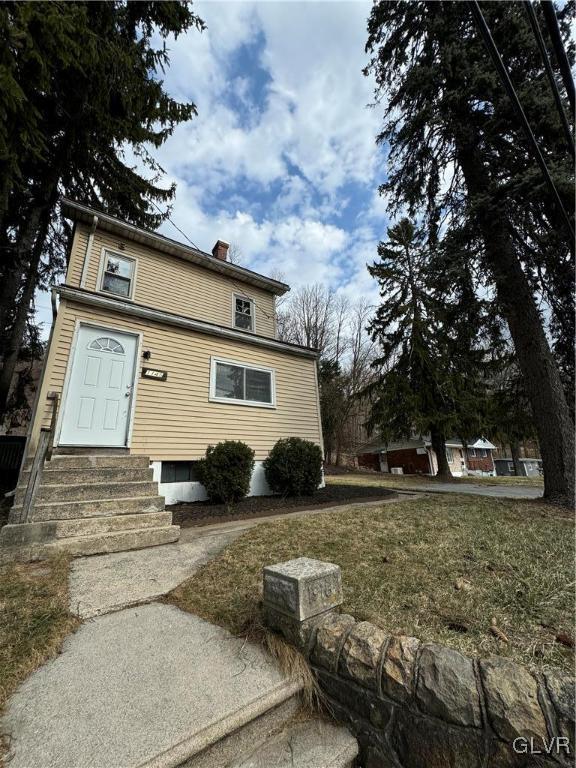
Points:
(226, 471)
(294, 467)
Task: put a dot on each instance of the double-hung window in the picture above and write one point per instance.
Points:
(449, 455)
(117, 275)
(244, 313)
(472, 453)
(232, 382)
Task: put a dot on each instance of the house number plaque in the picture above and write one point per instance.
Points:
(153, 373)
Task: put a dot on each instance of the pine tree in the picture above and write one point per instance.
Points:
(448, 117)
(414, 391)
(81, 93)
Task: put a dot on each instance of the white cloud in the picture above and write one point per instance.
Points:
(314, 117)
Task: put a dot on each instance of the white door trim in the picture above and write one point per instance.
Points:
(92, 324)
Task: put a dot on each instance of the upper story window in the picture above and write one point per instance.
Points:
(232, 382)
(118, 275)
(472, 453)
(449, 455)
(244, 313)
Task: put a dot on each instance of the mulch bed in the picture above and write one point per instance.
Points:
(205, 513)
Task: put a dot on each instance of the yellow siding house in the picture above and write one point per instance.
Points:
(160, 350)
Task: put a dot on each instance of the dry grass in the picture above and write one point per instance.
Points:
(401, 564)
(34, 618)
(385, 480)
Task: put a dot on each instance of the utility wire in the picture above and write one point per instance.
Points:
(547, 66)
(507, 83)
(174, 225)
(559, 50)
(241, 291)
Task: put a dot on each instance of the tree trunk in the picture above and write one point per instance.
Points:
(515, 453)
(439, 447)
(540, 372)
(464, 442)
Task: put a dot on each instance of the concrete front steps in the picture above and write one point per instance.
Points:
(88, 504)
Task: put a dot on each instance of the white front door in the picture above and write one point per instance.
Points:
(99, 393)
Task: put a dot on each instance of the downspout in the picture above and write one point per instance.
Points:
(87, 252)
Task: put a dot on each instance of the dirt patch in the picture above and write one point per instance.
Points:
(205, 513)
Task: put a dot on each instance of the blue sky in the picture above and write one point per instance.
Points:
(281, 160)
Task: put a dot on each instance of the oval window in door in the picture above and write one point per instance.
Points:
(107, 344)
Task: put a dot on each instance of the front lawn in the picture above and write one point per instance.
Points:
(441, 568)
(34, 618)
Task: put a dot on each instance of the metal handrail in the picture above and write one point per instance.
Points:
(43, 453)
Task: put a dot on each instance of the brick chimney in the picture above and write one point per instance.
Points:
(220, 250)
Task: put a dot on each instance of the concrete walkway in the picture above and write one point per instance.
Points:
(104, 583)
(134, 685)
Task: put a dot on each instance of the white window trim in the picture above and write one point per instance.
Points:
(232, 401)
(449, 454)
(472, 453)
(120, 255)
(252, 304)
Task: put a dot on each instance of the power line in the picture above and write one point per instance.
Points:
(507, 83)
(238, 288)
(175, 225)
(559, 50)
(547, 66)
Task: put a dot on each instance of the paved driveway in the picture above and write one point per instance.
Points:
(480, 489)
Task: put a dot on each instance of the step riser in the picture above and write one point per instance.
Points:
(116, 542)
(52, 476)
(94, 462)
(245, 738)
(90, 545)
(31, 533)
(90, 526)
(53, 493)
(75, 510)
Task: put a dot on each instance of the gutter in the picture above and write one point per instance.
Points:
(88, 251)
(180, 321)
(78, 212)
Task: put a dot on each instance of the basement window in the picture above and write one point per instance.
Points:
(118, 275)
(232, 382)
(179, 472)
(244, 313)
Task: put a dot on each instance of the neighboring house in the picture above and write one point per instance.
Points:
(163, 350)
(417, 457)
(528, 467)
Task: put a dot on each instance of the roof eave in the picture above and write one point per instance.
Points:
(84, 214)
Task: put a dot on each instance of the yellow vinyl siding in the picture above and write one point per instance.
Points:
(74, 272)
(175, 419)
(172, 284)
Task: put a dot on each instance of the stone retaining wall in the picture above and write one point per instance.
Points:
(422, 705)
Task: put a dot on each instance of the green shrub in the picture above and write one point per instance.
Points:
(294, 467)
(226, 471)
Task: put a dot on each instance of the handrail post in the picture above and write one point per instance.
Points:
(43, 453)
(54, 397)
